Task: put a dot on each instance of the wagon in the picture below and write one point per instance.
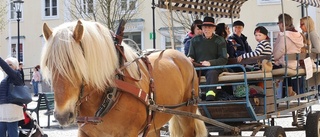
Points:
(255, 113)
(260, 111)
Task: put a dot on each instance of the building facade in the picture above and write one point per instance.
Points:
(139, 29)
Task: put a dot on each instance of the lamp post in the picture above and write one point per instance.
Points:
(17, 6)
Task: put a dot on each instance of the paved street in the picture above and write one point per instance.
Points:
(56, 131)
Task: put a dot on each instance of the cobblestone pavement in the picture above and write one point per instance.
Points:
(71, 131)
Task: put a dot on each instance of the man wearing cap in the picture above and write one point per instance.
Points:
(209, 49)
(239, 38)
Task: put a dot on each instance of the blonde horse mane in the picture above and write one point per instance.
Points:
(91, 61)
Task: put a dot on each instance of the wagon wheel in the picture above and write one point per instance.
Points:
(312, 126)
(274, 131)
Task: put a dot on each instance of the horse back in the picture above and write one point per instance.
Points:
(174, 76)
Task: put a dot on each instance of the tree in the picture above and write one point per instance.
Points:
(179, 18)
(108, 12)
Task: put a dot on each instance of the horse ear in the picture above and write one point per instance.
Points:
(78, 32)
(46, 31)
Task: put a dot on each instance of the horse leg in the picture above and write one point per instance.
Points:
(187, 127)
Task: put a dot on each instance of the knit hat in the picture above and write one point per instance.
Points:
(262, 30)
(238, 23)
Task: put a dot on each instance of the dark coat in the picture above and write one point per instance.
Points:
(13, 76)
(243, 48)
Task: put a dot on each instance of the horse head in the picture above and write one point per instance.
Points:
(71, 63)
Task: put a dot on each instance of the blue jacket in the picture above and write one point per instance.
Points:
(186, 43)
(13, 76)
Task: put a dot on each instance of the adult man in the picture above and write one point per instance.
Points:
(209, 49)
(240, 39)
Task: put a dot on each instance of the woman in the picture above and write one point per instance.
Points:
(36, 77)
(195, 30)
(223, 30)
(294, 41)
(308, 29)
(10, 113)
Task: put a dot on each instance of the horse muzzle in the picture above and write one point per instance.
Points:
(65, 118)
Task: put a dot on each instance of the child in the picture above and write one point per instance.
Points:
(263, 47)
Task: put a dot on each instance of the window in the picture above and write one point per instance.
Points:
(128, 5)
(14, 51)
(135, 36)
(87, 6)
(13, 13)
(177, 42)
(51, 8)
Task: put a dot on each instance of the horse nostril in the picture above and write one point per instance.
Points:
(71, 115)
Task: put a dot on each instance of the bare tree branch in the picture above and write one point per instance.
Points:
(107, 12)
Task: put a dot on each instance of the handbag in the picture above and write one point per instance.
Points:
(19, 94)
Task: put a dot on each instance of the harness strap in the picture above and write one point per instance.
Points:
(91, 120)
(133, 90)
(151, 97)
(109, 101)
(125, 65)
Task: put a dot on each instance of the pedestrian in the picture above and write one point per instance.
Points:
(35, 80)
(40, 86)
(21, 71)
(195, 30)
(209, 49)
(10, 113)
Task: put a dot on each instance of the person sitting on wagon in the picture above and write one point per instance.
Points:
(294, 42)
(263, 47)
(195, 30)
(223, 30)
(209, 49)
(240, 39)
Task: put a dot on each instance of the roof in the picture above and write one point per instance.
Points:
(314, 3)
(215, 8)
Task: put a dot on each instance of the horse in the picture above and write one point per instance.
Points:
(82, 64)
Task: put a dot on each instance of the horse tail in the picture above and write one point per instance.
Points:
(174, 126)
(200, 127)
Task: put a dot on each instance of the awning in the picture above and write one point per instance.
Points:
(215, 8)
(314, 3)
